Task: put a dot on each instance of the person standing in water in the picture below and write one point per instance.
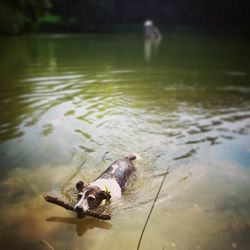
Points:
(152, 40)
(151, 31)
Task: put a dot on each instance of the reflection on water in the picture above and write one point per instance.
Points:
(82, 226)
(71, 105)
(151, 48)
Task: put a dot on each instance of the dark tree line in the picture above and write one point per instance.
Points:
(103, 15)
(17, 16)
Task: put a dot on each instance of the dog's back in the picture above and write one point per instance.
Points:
(120, 170)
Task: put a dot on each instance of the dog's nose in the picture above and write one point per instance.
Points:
(80, 212)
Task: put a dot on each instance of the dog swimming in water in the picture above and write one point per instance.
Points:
(109, 185)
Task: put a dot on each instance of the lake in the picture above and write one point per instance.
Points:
(73, 104)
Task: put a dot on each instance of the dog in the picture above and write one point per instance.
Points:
(109, 185)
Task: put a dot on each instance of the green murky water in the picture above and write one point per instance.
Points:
(70, 105)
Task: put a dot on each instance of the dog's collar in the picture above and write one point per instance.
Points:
(106, 188)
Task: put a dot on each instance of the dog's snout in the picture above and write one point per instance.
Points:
(80, 212)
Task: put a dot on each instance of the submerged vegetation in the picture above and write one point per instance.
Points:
(17, 16)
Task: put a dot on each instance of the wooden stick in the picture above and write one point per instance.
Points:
(58, 202)
(67, 206)
(99, 215)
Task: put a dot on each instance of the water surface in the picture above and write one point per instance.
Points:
(70, 105)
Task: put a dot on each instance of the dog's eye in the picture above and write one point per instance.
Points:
(91, 198)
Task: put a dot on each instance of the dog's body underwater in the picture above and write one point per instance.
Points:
(110, 184)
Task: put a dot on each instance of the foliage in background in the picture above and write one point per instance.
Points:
(17, 16)
(89, 15)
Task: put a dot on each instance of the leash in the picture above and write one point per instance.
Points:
(152, 208)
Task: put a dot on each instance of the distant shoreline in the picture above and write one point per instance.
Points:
(131, 28)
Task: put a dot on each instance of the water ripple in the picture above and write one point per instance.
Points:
(120, 106)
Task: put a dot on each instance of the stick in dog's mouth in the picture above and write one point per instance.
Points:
(61, 203)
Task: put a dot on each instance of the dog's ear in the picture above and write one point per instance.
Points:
(80, 186)
(104, 195)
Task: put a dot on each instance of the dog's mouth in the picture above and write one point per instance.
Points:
(85, 203)
(82, 209)
(81, 206)
(90, 198)
(80, 212)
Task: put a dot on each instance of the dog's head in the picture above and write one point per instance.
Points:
(89, 197)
